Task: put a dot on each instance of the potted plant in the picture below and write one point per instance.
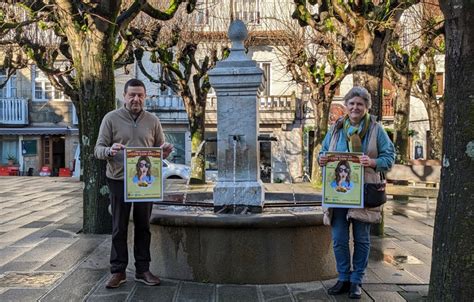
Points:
(11, 159)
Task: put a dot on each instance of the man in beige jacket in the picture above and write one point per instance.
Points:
(129, 126)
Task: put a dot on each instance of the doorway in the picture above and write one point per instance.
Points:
(54, 153)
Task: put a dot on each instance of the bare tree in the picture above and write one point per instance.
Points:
(364, 28)
(318, 64)
(88, 37)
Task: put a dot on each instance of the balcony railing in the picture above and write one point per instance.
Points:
(267, 103)
(165, 103)
(14, 111)
(169, 108)
(273, 109)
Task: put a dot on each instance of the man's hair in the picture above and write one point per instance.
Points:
(133, 83)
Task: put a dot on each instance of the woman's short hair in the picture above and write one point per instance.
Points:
(360, 92)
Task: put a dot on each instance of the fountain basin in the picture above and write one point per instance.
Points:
(281, 245)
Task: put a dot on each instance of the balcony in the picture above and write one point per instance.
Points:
(13, 111)
(273, 109)
(169, 108)
(279, 109)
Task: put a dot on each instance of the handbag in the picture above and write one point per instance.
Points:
(375, 194)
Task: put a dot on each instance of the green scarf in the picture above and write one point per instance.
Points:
(355, 134)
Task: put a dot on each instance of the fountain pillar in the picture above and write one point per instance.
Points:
(236, 81)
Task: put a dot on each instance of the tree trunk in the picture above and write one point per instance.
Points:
(95, 79)
(369, 68)
(401, 117)
(197, 128)
(435, 116)
(321, 118)
(452, 267)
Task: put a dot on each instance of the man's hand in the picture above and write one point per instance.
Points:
(367, 161)
(167, 149)
(323, 159)
(116, 147)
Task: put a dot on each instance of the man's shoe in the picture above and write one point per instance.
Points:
(116, 280)
(355, 291)
(340, 287)
(148, 278)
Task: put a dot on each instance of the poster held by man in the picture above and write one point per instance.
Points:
(143, 174)
(343, 181)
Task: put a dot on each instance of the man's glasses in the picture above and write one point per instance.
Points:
(345, 170)
(142, 165)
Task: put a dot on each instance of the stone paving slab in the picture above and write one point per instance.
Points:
(166, 292)
(196, 292)
(20, 266)
(70, 256)
(9, 253)
(75, 286)
(237, 293)
(274, 292)
(43, 251)
(26, 294)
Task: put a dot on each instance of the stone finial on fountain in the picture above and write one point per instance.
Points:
(237, 33)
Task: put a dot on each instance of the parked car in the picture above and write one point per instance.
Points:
(179, 171)
(175, 171)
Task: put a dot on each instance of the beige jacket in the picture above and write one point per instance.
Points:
(370, 215)
(118, 126)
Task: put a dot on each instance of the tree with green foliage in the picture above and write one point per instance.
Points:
(78, 44)
(452, 268)
(363, 29)
(414, 41)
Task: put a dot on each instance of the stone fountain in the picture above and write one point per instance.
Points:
(270, 246)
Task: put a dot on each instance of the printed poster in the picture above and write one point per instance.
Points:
(143, 174)
(343, 181)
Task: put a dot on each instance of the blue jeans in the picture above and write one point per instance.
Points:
(340, 238)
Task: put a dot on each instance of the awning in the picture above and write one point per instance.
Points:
(38, 131)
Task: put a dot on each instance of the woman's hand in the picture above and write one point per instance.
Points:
(323, 159)
(367, 161)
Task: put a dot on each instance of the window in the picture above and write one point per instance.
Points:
(178, 139)
(247, 11)
(440, 83)
(266, 67)
(9, 90)
(43, 89)
(8, 147)
(201, 13)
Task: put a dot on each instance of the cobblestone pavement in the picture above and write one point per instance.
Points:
(44, 256)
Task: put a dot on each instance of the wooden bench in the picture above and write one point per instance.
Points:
(418, 179)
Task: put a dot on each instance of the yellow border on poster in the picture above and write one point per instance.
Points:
(343, 181)
(143, 174)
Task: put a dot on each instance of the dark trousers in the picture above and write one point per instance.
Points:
(120, 219)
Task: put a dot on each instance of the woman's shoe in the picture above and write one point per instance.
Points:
(340, 287)
(355, 291)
